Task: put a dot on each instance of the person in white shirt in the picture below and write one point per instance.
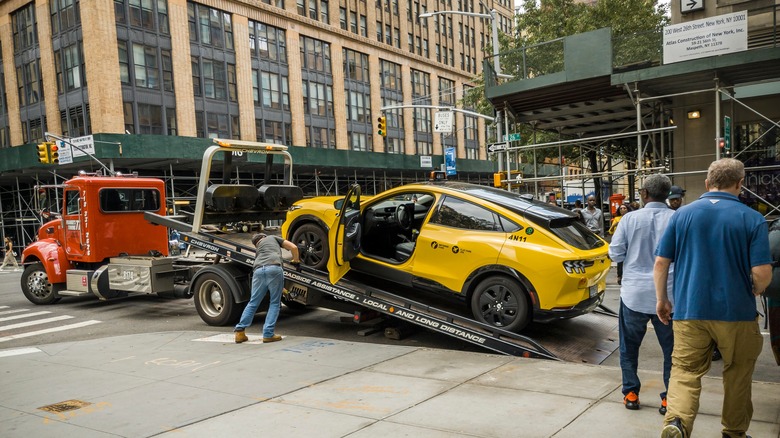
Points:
(593, 217)
(634, 244)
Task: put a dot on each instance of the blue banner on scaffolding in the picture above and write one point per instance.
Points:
(449, 160)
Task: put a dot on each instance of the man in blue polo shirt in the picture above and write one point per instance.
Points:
(720, 250)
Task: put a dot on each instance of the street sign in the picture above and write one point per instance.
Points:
(691, 5)
(496, 147)
(449, 161)
(512, 137)
(426, 161)
(443, 122)
(83, 145)
(727, 133)
(66, 153)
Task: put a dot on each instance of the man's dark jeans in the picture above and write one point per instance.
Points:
(633, 326)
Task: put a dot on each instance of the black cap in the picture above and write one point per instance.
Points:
(676, 192)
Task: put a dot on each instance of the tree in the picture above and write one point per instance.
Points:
(536, 48)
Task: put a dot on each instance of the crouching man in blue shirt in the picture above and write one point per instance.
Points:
(720, 250)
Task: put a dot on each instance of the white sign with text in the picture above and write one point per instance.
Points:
(83, 145)
(426, 161)
(706, 37)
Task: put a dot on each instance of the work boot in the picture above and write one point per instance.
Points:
(273, 338)
(241, 336)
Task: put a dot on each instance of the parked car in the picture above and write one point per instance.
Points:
(512, 259)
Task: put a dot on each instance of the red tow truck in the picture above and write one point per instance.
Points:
(108, 239)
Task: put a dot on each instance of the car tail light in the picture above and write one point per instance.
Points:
(577, 266)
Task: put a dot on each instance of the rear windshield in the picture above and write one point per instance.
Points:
(126, 200)
(570, 230)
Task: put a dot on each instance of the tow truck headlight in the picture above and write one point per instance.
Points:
(577, 266)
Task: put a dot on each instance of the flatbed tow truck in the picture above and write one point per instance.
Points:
(71, 258)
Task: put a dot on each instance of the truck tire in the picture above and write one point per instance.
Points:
(315, 241)
(214, 301)
(500, 302)
(36, 286)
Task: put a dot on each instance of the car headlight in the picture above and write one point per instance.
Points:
(577, 266)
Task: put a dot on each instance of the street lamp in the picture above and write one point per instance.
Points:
(496, 66)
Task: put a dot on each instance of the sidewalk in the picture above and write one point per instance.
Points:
(197, 384)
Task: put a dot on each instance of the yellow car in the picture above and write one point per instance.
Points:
(511, 258)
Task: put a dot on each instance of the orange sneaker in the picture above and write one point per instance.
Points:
(631, 400)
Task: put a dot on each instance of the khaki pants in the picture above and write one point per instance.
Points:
(740, 344)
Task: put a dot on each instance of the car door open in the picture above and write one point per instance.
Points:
(344, 235)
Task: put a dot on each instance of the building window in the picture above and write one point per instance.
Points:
(28, 77)
(33, 130)
(144, 14)
(315, 55)
(343, 18)
(150, 119)
(75, 121)
(23, 24)
(270, 90)
(317, 99)
(64, 15)
(355, 65)
(277, 3)
(423, 147)
(358, 106)
(363, 26)
(210, 27)
(269, 131)
(446, 92)
(267, 42)
(218, 79)
(69, 67)
(359, 142)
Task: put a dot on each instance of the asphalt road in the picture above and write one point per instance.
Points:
(23, 324)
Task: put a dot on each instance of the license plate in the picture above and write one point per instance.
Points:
(593, 290)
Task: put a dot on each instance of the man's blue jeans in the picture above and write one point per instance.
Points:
(633, 326)
(264, 279)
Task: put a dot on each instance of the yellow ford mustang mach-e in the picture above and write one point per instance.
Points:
(512, 259)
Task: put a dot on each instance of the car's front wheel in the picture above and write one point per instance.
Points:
(501, 302)
(314, 240)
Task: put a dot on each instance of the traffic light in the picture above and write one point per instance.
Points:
(54, 153)
(382, 126)
(43, 153)
(721, 143)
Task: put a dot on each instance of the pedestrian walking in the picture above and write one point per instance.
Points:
(10, 255)
(593, 217)
(720, 249)
(267, 276)
(633, 244)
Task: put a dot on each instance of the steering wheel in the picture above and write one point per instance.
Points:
(404, 214)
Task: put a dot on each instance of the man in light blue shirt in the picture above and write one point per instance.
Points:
(634, 244)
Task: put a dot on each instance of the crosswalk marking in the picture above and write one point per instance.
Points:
(26, 315)
(35, 322)
(8, 312)
(19, 351)
(49, 330)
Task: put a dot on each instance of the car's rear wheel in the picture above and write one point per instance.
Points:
(501, 302)
(315, 242)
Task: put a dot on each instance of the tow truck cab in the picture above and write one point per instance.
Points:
(101, 217)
